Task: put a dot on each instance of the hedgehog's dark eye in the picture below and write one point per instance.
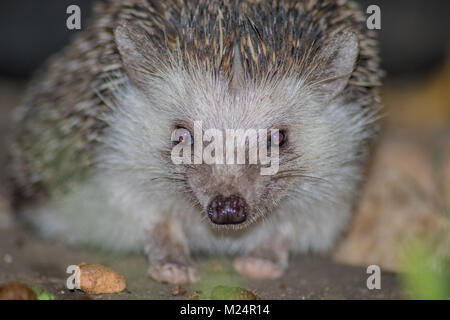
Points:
(182, 135)
(277, 138)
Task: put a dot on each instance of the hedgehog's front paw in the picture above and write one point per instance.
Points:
(173, 273)
(258, 268)
(168, 255)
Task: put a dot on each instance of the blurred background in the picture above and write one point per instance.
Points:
(402, 220)
(414, 34)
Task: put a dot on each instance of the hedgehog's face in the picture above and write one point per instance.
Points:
(240, 191)
(236, 151)
(231, 191)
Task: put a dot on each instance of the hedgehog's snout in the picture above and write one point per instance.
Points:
(227, 210)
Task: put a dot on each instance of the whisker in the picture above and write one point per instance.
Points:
(294, 158)
(299, 175)
(291, 171)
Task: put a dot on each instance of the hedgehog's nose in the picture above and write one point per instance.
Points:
(227, 210)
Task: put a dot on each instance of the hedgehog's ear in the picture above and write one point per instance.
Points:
(335, 63)
(135, 48)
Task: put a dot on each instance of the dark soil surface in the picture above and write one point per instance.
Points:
(28, 260)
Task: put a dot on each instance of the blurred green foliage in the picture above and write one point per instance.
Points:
(42, 295)
(426, 270)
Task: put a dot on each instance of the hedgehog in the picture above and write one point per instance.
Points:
(92, 149)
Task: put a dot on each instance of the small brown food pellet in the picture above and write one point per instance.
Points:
(16, 291)
(179, 290)
(98, 279)
(194, 296)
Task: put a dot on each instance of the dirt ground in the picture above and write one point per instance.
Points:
(41, 264)
(407, 194)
